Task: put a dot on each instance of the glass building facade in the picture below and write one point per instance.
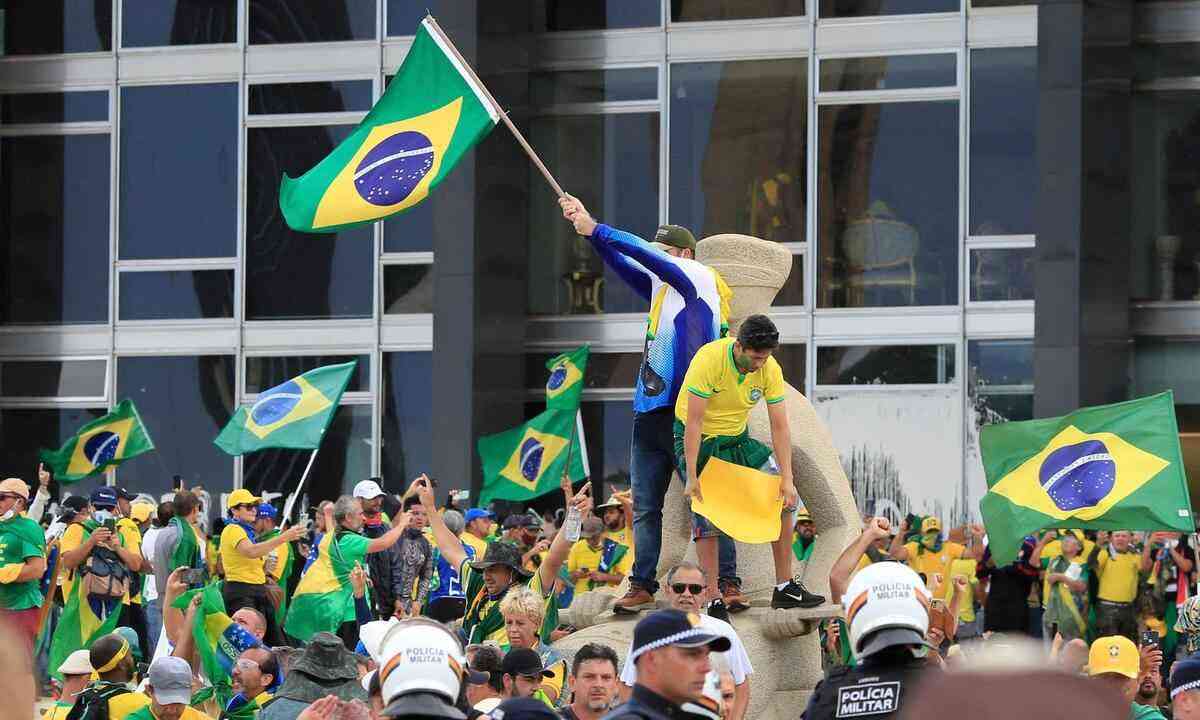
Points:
(894, 147)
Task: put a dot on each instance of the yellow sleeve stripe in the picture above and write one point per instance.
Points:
(699, 393)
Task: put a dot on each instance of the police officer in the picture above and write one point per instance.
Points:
(670, 652)
(886, 607)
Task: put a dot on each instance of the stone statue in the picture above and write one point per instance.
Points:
(782, 644)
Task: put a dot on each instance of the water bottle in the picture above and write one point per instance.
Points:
(573, 524)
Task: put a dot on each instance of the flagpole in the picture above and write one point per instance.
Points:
(533, 156)
(291, 501)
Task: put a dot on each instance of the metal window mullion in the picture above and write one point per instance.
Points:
(177, 264)
(880, 97)
(114, 181)
(1000, 242)
(304, 119)
(963, 70)
(375, 379)
(91, 127)
(664, 134)
(628, 107)
(405, 258)
(239, 291)
(859, 54)
(813, 254)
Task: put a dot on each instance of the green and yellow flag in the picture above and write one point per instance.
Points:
(218, 639)
(528, 461)
(80, 625)
(324, 599)
(103, 443)
(565, 385)
(432, 113)
(1111, 467)
(292, 415)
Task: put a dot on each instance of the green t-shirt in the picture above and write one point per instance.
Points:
(21, 539)
(1144, 712)
(348, 549)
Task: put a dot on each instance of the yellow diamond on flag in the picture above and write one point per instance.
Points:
(99, 446)
(1079, 475)
(283, 405)
(537, 450)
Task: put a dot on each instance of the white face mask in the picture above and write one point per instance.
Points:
(12, 513)
(101, 515)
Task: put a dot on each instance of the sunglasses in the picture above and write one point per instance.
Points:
(693, 588)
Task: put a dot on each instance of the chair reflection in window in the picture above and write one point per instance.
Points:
(878, 253)
(1001, 274)
(583, 280)
(777, 208)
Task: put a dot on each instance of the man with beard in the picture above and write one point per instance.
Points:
(383, 567)
(617, 515)
(593, 682)
(416, 562)
(804, 535)
(255, 674)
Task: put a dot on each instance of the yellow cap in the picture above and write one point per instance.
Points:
(242, 497)
(803, 515)
(1114, 654)
(141, 512)
(930, 524)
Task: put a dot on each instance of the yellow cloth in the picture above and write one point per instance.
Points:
(238, 567)
(623, 536)
(558, 679)
(212, 555)
(863, 561)
(126, 703)
(500, 636)
(1118, 576)
(743, 502)
(730, 394)
(9, 573)
(282, 553)
(583, 556)
(58, 711)
(479, 544)
(1052, 550)
(131, 539)
(71, 539)
(931, 563)
(966, 605)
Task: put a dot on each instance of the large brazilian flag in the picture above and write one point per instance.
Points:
(103, 443)
(82, 623)
(432, 113)
(1110, 467)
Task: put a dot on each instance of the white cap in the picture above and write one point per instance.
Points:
(421, 656)
(885, 596)
(367, 490)
(372, 634)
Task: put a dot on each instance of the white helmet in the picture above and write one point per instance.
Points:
(421, 656)
(885, 596)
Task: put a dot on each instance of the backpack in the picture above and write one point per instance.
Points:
(104, 575)
(92, 703)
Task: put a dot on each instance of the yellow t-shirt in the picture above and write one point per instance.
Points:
(1052, 550)
(730, 394)
(931, 563)
(58, 711)
(238, 567)
(478, 544)
(623, 536)
(281, 553)
(1118, 576)
(71, 539)
(582, 556)
(131, 539)
(126, 703)
(558, 680)
(966, 605)
(472, 581)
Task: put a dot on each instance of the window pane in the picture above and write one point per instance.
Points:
(407, 432)
(604, 370)
(334, 269)
(688, 10)
(53, 378)
(793, 290)
(601, 14)
(734, 171)
(407, 289)
(299, 21)
(38, 27)
(607, 429)
(54, 229)
(27, 431)
(587, 86)
(616, 158)
(793, 360)
(1156, 61)
(1004, 171)
(867, 8)
(885, 365)
(1167, 365)
(403, 16)
(188, 186)
(1000, 3)
(264, 373)
(176, 295)
(1002, 274)
(1001, 379)
(178, 22)
(54, 107)
(892, 72)
(884, 239)
(412, 230)
(344, 460)
(310, 97)
(184, 402)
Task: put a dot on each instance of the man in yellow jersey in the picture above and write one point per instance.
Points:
(133, 614)
(243, 558)
(92, 535)
(725, 380)
(617, 514)
(930, 555)
(592, 563)
(479, 524)
(1118, 566)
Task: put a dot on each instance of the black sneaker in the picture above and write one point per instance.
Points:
(717, 609)
(794, 595)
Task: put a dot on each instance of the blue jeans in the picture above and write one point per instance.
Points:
(153, 621)
(651, 462)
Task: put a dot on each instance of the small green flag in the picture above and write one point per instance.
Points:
(103, 443)
(529, 460)
(565, 385)
(432, 113)
(292, 415)
(1111, 467)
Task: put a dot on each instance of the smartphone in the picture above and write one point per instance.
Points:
(110, 525)
(1150, 638)
(194, 576)
(177, 482)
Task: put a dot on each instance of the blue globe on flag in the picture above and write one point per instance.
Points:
(1078, 476)
(557, 377)
(393, 168)
(101, 448)
(275, 404)
(531, 458)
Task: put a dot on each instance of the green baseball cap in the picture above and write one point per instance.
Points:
(675, 236)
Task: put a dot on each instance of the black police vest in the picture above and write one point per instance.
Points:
(874, 692)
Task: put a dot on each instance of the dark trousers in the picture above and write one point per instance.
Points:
(1114, 618)
(134, 615)
(239, 595)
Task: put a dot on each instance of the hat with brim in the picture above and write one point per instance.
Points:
(664, 628)
(890, 637)
(15, 486)
(423, 705)
(325, 658)
(77, 663)
(611, 502)
(501, 553)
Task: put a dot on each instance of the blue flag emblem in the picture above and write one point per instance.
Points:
(531, 458)
(274, 404)
(101, 448)
(391, 170)
(1079, 475)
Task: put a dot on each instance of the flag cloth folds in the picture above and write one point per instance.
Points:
(324, 599)
(565, 385)
(81, 624)
(432, 113)
(529, 460)
(103, 443)
(1110, 467)
(292, 415)
(218, 639)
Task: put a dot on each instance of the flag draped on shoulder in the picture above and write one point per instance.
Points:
(292, 415)
(218, 639)
(1110, 467)
(324, 599)
(81, 624)
(565, 385)
(431, 114)
(103, 443)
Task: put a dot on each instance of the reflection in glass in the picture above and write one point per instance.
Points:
(604, 370)
(265, 372)
(591, 86)
(178, 22)
(42, 27)
(291, 275)
(886, 240)
(1157, 61)
(1002, 274)
(407, 289)
(793, 290)
(890, 72)
(868, 8)
(176, 295)
(1161, 364)
(303, 21)
(601, 14)
(179, 170)
(344, 460)
(412, 230)
(25, 431)
(793, 360)
(407, 431)
(885, 365)
(733, 169)
(403, 16)
(1003, 147)
(616, 158)
(689, 10)
(310, 97)
(87, 106)
(54, 229)
(53, 378)
(184, 402)
(1001, 387)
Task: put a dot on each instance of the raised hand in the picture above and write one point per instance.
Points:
(43, 476)
(878, 528)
